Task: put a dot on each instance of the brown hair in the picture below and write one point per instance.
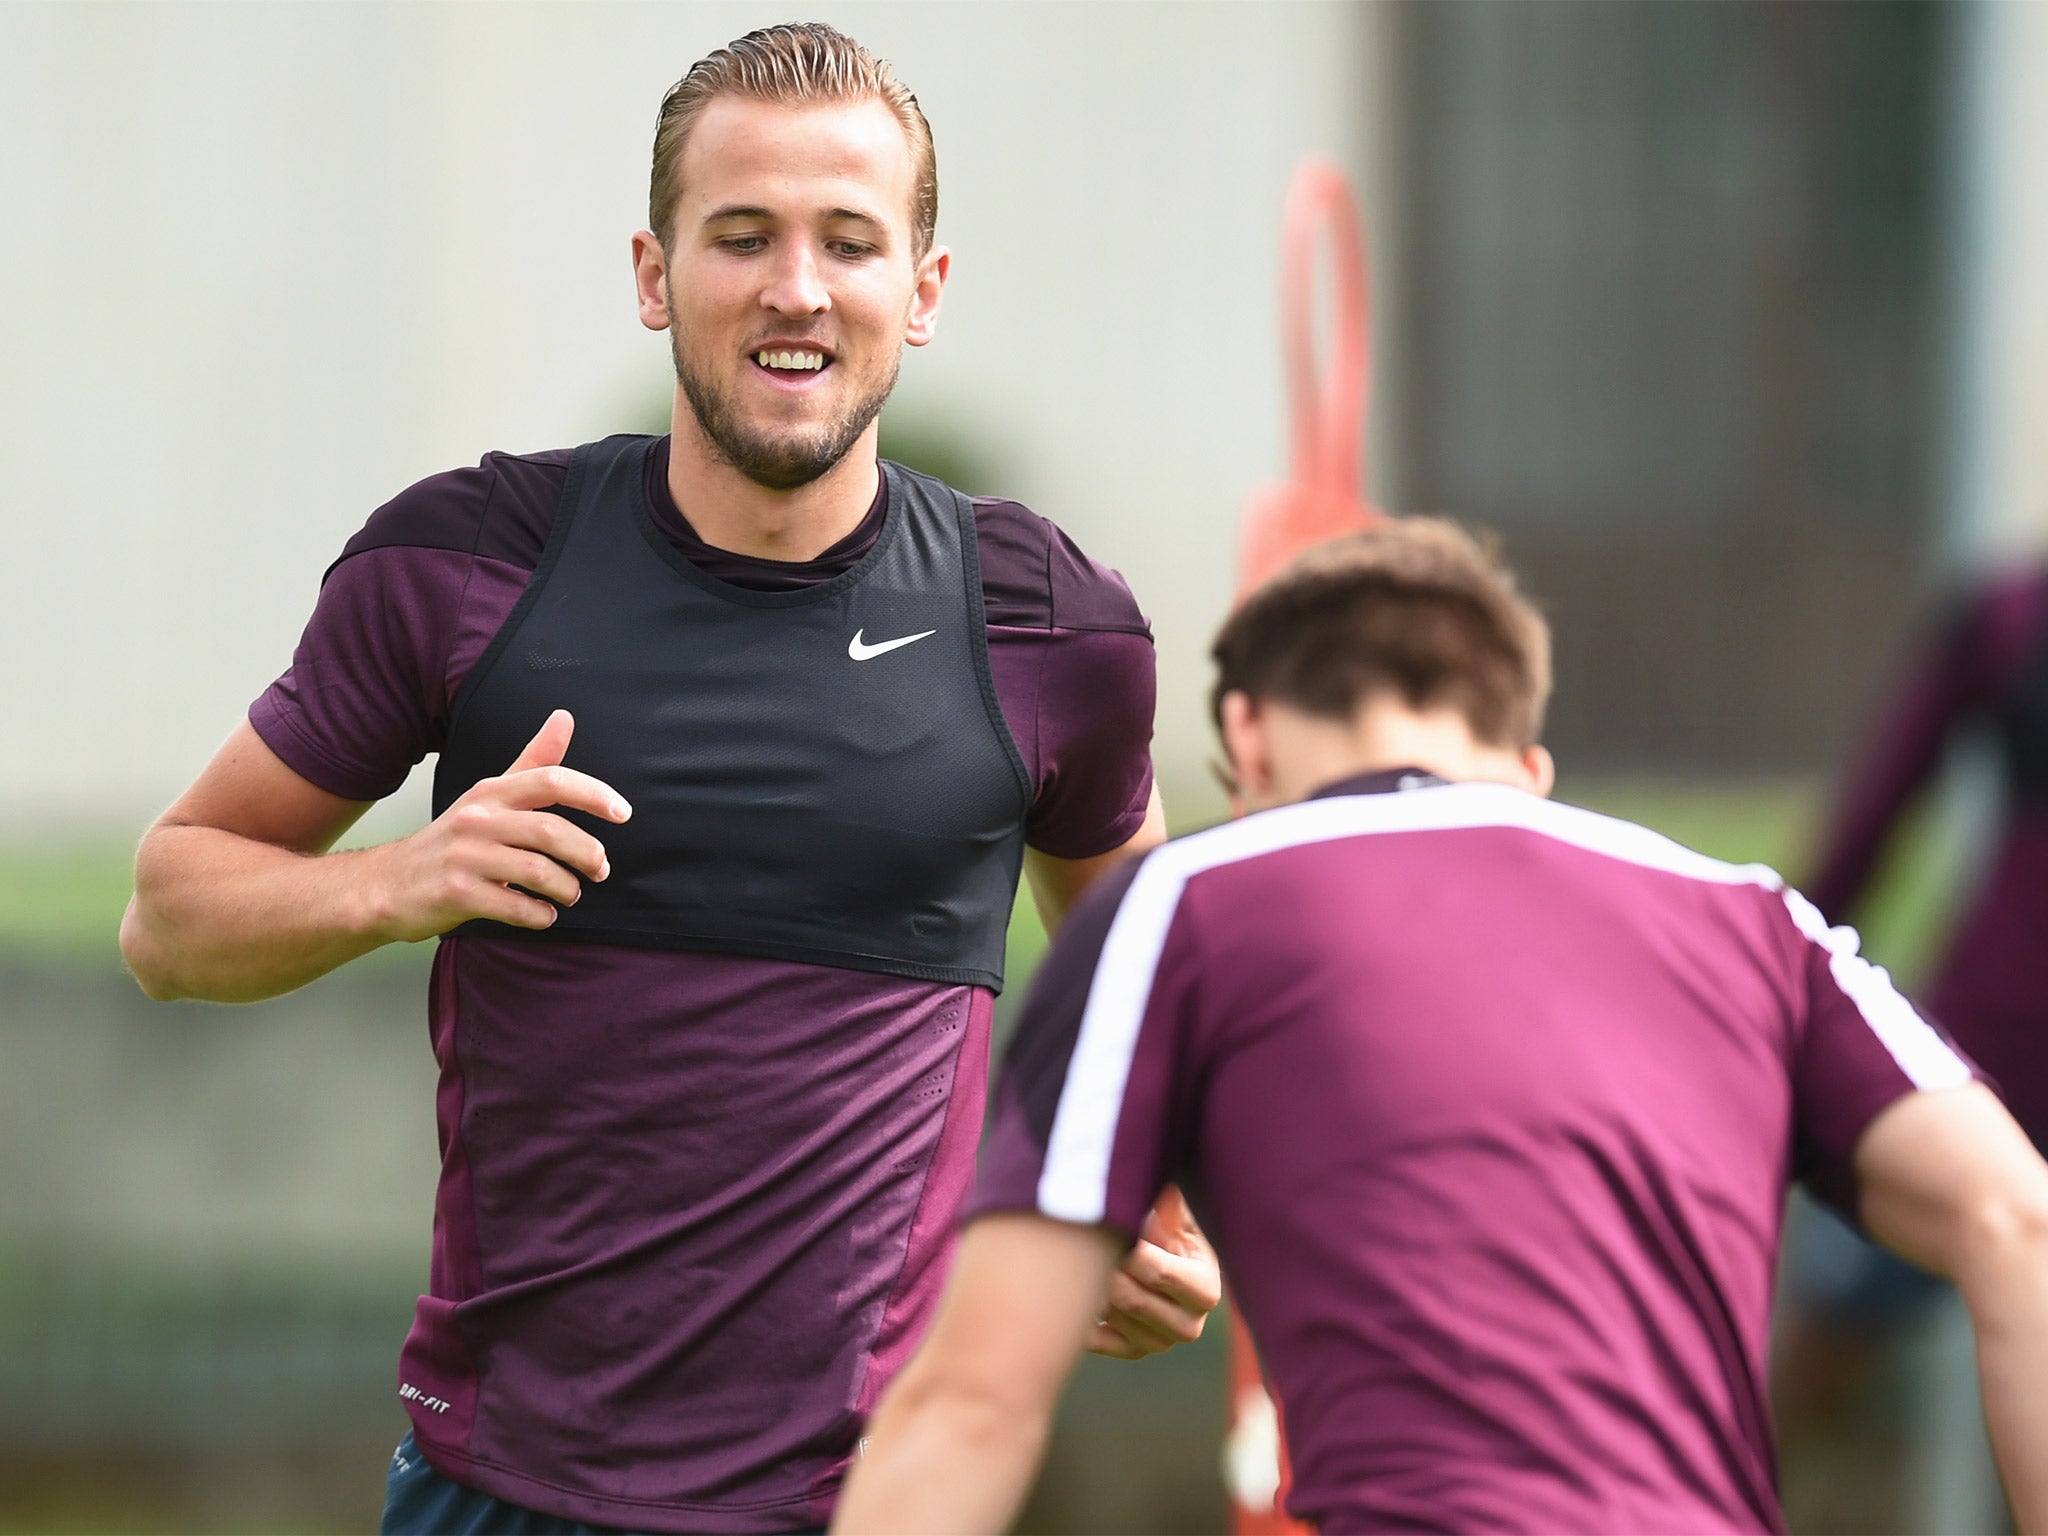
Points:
(795, 64)
(1416, 607)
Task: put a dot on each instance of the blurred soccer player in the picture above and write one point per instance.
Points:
(1489, 1104)
(1985, 670)
(1980, 676)
(744, 736)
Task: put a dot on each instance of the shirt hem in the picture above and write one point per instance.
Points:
(297, 751)
(1120, 831)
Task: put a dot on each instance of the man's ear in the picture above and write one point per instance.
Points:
(1245, 744)
(1541, 769)
(923, 322)
(650, 276)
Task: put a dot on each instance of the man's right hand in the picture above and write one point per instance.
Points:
(238, 898)
(498, 842)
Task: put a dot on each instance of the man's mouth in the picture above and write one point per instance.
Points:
(793, 360)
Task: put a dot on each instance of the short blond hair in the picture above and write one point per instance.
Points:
(1417, 608)
(794, 64)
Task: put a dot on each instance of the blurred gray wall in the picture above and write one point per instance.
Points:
(267, 264)
(1999, 410)
(1727, 316)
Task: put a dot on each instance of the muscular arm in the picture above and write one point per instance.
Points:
(233, 901)
(237, 897)
(1056, 884)
(1950, 1181)
(957, 1437)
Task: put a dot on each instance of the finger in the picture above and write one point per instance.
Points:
(531, 871)
(502, 904)
(561, 840)
(544, 852)
(1184, 1281)
(550, 743)
(535, 788)
(1170, 1223)
(1165, 1318)
(1105, 1340)
(1137, 1333)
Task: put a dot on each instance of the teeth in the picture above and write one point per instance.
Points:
(801, 361)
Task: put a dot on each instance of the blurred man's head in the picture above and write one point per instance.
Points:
(1407, 646)
(789, 253)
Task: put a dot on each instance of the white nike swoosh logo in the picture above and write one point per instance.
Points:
(860, 650)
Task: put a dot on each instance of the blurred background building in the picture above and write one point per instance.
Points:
(1731, 319)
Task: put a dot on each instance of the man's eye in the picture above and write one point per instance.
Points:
(851, 250)
(743, 243)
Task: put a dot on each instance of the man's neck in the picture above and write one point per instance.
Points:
(732, 513)
(1311, 752)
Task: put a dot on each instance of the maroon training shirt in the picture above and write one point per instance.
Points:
(1987, 671)
(1489, 1105)
(693, 1208)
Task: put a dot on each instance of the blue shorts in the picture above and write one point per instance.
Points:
(418, 1501)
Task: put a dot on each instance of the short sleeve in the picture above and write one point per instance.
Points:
(1097, 693)
(1073, 662)
(1860, 1047)
(1089, 1116)
(410, 603)
(358, 707)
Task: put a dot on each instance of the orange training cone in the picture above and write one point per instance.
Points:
(1325, 495)
(1323, 499)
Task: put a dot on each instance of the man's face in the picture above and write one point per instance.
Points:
(788, 286)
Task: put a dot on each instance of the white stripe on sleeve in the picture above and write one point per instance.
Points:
(1914, 1044)
(1074, 1183)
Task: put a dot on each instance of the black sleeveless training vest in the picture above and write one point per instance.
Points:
(822, 775)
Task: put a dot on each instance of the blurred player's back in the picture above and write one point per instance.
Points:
(1492, 1104)
(1488, 1103)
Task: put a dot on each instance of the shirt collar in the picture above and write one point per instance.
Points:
(1381, 782)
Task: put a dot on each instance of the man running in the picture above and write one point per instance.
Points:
(743, 736)
(1489, 1104)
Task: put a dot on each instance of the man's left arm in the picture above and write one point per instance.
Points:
(1056, 884)
(1091, 729)
(1950, 1181)
(958, 1436)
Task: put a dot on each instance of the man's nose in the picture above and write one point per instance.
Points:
(797, 286)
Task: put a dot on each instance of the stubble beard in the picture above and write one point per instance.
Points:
(779, 459)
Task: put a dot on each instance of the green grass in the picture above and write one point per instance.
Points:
(1027, 941)
(62, 902)
(1763, 822)
(1906, 916)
